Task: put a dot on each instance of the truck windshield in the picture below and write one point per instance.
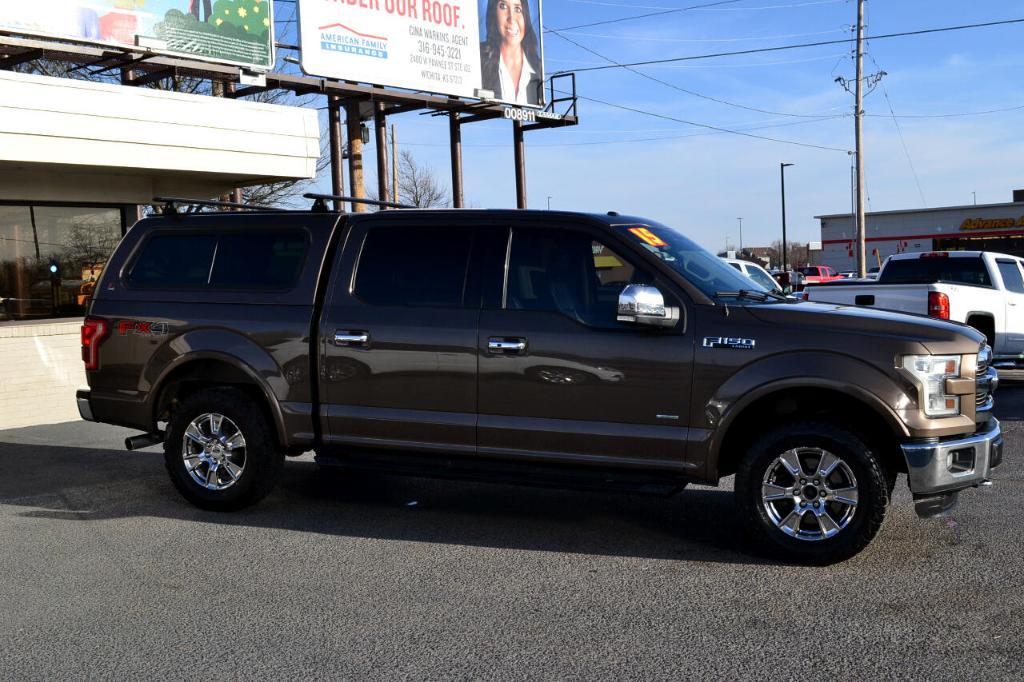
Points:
(704, 270)
(932, 269)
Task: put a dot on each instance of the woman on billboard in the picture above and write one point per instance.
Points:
(509, 56)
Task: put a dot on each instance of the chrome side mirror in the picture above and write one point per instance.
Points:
(643, 304)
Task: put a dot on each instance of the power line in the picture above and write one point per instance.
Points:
(903, 142)
(722, 9)
(748, 65)
(678, 87)
(711, 127)
(899, 132)
(663, 39)
(954, 115)
(820, 43)
(644, 16)
(590, 143)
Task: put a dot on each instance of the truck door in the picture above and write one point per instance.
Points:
(398, 338)
(1013, 329)
(560, 378)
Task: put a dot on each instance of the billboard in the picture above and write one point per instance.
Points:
(229, 31)
(464, 48)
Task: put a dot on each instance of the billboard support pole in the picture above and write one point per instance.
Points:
(230, 88)
(355, 154)
(381, 124)
(455, 135)
(337, 153)
(519, 147)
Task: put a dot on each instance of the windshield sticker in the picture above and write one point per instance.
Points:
(648, 237)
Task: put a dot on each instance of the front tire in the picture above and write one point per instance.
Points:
(219, 450)
(812, 492)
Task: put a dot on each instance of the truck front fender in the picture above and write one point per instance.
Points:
(814, 370)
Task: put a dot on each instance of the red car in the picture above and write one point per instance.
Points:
(818, 274)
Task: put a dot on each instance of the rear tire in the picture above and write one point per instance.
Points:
(219, 450)
(812, 492)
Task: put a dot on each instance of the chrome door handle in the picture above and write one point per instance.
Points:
(351, 338)
(506, 345)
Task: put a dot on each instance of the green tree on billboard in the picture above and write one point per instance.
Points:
(237, 30)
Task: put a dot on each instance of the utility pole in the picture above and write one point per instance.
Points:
(394, 166)
(334, 106)
(355, 154)
(380, 123)
(862, 267)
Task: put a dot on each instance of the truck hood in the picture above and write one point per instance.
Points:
(939, 337)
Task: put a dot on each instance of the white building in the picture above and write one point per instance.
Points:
(76, 159)
(987, 227)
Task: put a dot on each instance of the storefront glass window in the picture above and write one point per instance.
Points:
(51, 257)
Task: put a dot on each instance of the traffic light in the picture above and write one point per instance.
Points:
(54, 271)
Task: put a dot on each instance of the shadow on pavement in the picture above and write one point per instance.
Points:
(63, 483)
(1009, 401)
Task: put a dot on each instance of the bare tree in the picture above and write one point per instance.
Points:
(797, 254)
(418, 185)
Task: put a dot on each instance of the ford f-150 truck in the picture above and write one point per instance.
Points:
(532, 347)
(984, 290)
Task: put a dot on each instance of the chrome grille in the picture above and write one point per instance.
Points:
(984, 384)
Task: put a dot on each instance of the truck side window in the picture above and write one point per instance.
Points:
(569, 273)
(174, 261)
(1011, 276)
(259, 260)
(414, 266)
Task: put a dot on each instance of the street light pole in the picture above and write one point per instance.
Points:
(782, 175)
(741, 234)
(549, 202)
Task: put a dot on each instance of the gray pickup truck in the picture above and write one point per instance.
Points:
(530, 347)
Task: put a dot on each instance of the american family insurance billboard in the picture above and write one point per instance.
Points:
(465, 48)
(229, 31)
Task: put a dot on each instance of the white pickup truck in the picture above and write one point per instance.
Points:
(982, 289)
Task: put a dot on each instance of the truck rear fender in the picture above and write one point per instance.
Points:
(804, 384)
(217, 356)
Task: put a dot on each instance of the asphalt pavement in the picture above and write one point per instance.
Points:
(105, 572)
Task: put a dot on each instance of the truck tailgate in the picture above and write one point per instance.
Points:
(907, 298)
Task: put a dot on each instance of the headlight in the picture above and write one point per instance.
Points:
(931, 372)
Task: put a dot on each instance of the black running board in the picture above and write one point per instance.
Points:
(534, 474)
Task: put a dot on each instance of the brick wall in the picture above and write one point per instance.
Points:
(40, 370)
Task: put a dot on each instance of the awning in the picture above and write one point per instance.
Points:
(67, 140)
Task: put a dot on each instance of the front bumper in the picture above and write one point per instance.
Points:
(949, 465)
(84, 408)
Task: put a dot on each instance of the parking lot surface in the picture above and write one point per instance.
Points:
(106, 572)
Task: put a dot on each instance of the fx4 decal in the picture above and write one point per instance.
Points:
(729, 342)
(141, 328)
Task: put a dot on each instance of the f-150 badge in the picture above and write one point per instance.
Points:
(729, 342)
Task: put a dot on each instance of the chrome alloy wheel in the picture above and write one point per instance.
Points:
(214, 451)
(809, 493)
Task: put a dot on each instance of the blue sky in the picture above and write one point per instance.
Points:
(701, 181)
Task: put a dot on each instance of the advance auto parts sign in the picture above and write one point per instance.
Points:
(230, 31)
(465, 48)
